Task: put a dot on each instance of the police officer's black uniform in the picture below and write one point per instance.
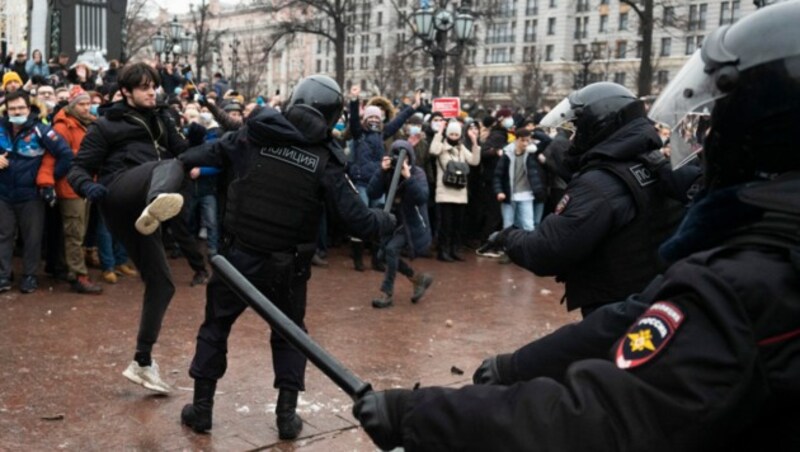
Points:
(603, 239)
(284, 168)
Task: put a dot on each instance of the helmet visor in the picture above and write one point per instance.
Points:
(685, 106)
(562, 115)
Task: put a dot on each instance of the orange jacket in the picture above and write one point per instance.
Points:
(73, 131)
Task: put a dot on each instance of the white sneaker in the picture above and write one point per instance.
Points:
(146, 376)
(164, 207)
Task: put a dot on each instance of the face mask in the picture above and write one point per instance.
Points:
(452, 142)
(414, 130)
(94, 109)
(339, 126)
(18, 120)
(50, 104)
(435, 126)
(508, 123)
(206, 117)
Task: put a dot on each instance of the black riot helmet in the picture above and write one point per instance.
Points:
(595, 112)
(747, 76)
(320, 94)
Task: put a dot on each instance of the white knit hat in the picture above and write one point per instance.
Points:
(454, 127)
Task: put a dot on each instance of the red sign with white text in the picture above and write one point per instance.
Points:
(448, 106)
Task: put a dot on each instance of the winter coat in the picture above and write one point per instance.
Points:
(73, 131)
(497, 139)
(123, 139)
(24, 153)
(443, 153)
(412, 212)
(504, 174)
(367, 146)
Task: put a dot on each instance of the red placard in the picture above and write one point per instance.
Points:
(448, 106)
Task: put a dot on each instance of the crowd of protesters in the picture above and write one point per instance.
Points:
(512, 171)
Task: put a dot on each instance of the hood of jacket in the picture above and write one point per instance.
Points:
(270, 125)
(385, 105)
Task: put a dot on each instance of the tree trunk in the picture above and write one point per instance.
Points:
(645, 81)
(338, 45)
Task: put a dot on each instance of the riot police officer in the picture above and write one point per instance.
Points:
(603, 238)
(284, 167)
(712, 359)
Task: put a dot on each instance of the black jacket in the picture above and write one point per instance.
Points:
(238, 151)
(725, 375)
(121, 139)
(590, 226)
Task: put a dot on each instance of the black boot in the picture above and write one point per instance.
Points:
(383, 301)
(454, 252)
(289, 423)
(421, 283)
(197, 415)
(358, 251)
(444, 251)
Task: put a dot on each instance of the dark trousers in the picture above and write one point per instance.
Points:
(452, 224)
(29, 217)
(394, 263)
(184, 238)
(490, 206)
(128, 195)
(282, 278)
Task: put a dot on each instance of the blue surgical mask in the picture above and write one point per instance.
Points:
(18, 120)
(508, 123)
(93, 110)
(414, 130)
(339, 126)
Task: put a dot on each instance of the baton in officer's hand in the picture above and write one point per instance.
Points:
(398, 168)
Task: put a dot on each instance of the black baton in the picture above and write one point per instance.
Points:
(330, 366)
(395, 180)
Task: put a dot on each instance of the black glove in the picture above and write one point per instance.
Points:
(497, 239)
(48, 195)
(490, 373)
(195, 134)
(381, 416)
(201, 99)
(95, 192)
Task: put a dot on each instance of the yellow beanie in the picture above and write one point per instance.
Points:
(11, 77)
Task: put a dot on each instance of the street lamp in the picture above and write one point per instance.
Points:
(175, 43)
(587, 58)
(234, 59)
(432, 27)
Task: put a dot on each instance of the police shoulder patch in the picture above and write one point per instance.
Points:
(649, 335)
(642, 174)
(562, 204)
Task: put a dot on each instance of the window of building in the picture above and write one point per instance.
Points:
(532, 7)
(500, 32)
(506, 8)
(729, 12)
(697, 16)
(348, 63)
(619, 78)
(319, 66)
(552, 3)
(578, 50)
(581, 27)
(497, 83)
(499, 55)
(364, 43)
(603, 23)
(379, 61)
(380, 18)
(548, 52)
(548, 79)
(669, 16)
(350, 44)
(666, 47)
(400, 42)
(530, 30)
(551, 26)
(622, 49)
(638, 49)
(582, 6)
(662, 78)
(378, 40)
(529, 54)
(623, 21)
(319, 46)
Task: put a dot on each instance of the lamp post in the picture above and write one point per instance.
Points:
(234, 59)
(587, 58)
(432, 27)
(175, 43)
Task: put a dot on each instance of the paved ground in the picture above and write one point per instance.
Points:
(61, 355)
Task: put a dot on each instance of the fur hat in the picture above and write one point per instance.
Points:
(9, 77)
(453, 127)
(373, 111)
(77, 94)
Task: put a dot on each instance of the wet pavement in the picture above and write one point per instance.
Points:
(62, 354)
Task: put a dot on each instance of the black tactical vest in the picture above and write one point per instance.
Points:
(277, 203)
(627, 260)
